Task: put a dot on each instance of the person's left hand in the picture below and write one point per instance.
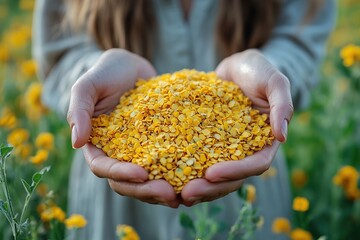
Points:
(269, 91)
(97, 92)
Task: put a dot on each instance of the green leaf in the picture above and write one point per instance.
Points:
(27, 186)
(5, 209)
(2, 203)
(38, 176)
(186, 221)
(242, 193)
(5, 151)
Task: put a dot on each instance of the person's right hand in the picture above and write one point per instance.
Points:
(98, 91)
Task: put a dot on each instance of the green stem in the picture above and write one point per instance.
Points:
(27, 199)
(55, 231)
(235, 228)
(8, 199)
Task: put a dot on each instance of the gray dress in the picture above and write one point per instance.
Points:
(64, 56)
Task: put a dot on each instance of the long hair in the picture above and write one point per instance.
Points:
(114, 23)
(241, 24)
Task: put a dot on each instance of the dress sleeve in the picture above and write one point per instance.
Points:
(61, 55)
(297, 47)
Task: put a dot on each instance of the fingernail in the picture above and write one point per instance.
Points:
(74, 135)
(284, 129)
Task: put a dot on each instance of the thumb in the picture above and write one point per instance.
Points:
(281, 106)
(81, 108)
(222, 71)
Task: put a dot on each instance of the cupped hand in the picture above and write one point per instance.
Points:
(269, 91)
(98, 91)
(128, 179)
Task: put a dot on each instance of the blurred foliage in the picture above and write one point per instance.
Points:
(40, 138)
(323, 138)
(326, 136)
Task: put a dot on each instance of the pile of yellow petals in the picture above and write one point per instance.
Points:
(177, 125)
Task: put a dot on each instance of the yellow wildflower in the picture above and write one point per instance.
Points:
(75, 221)
(33, 102)
(18, 136)
(300, 234)
(33, 94)
(53, 212)
(23, 150)
(28, 68)
(350, 54)
(346, 177)
(126, 232)
(298, 178)
(40, 157)
(27, 5)
(7, 118)
(281, 225)
(4, 53)
(45, 141)
(300, 204)
(250, 193)
(18, 36)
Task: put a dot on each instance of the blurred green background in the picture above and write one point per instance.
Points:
(323, 138)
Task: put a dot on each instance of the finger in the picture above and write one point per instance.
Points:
(251, 165)
(144, 69)
(105, 167)
(201, 190)
(81, 109)
(154, 191)
(222, 71)
(281, 106)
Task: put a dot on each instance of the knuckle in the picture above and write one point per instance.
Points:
(291, 107)
(115, 187)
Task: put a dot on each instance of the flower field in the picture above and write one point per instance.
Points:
(323, 147)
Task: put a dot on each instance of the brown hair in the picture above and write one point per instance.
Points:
(114, 23)
(241, 24)
(244, 24)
